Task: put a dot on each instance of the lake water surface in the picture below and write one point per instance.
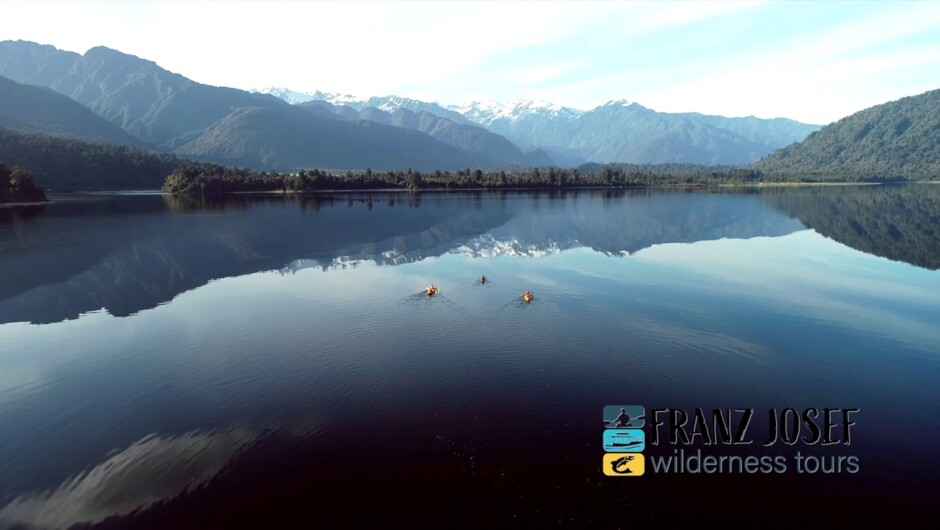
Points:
(169, 362)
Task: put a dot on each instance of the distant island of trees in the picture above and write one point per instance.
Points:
(205, 178)
(16, 185)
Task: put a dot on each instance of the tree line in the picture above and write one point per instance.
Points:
(205, 178)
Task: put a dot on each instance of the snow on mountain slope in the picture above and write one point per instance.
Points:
(293, 97)
(487, 112)
(393, 103)
(618, 131)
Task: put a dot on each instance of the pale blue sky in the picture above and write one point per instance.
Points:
(811, 61)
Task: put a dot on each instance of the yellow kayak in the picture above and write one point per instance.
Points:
(527, 297)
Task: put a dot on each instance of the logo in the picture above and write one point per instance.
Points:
(721, 441)
(624, 440)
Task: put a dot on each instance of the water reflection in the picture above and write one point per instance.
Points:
(899, 222)
(132, 253)
(153, 469)
(675, 298)
(127, 254)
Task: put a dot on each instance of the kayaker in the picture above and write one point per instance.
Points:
(483, 279)
(623, 420)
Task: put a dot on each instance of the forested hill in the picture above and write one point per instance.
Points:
(67, 164)
(896, 139)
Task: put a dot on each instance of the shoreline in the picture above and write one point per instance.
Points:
(779, 184)
(566, 188)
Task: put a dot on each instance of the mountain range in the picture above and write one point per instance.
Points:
(618, 131)
(135, 102)
(168, 112)
(114, 99)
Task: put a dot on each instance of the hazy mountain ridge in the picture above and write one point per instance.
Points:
(150, 102)
(647, 136)
(467, 137)
(617, 131)
(36, 109)
(276, 138)
(625, 131)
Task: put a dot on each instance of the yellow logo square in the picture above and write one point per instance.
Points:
(624, 464)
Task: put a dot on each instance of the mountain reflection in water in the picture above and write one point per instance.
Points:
(133, 253)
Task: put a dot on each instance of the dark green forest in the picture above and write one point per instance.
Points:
(208, 178)
(896, 140)
(17, 185)
(67, 164)
(211, 178)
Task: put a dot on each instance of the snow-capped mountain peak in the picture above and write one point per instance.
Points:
(487, 112)
(391, 103)
(339, 99)
(294, 97)
(619, 103)
(288, 95)
(479, 112)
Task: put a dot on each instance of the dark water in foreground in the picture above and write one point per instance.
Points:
(257, 361)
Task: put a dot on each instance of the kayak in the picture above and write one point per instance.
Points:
(432, 292)
(527, 297)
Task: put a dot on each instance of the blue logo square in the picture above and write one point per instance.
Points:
(624, 440)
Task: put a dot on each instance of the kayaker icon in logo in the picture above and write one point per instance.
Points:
(624, 416)
(623, 440)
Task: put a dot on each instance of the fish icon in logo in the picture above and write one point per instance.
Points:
(624, 465)
(624, 416)
(624, 440)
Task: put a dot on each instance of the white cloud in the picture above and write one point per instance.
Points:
(549, 72)
(670, 14)
(666, 55)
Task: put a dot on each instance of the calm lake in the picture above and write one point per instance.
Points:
(170, 362)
